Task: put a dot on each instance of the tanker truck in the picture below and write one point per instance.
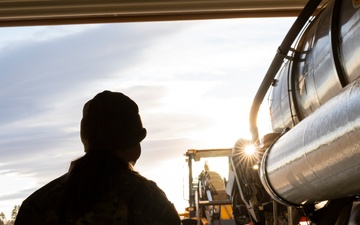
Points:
(308, 168)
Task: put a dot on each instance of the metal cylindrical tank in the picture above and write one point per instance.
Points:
(327, 58)
(314, 75)
(318, 159)
(282, 111)
(349, 22)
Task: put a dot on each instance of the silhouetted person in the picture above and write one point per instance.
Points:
(101, 187)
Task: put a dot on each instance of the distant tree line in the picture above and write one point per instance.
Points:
(14, 212)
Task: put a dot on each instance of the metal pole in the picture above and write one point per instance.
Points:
(275, 212)
(290, 215)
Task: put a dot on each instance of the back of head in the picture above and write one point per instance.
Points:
(111, 122)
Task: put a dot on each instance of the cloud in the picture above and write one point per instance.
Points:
(193, 82)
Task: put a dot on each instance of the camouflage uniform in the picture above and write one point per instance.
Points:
(132, 200)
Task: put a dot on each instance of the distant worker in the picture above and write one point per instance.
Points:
(102, 187)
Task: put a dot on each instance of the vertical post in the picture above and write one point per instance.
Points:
(275, 212)
(290, 215)
(191, 194)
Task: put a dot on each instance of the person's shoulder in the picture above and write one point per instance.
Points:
(156, 203)
(147, 202)
(40, 205)
(134, 184)
(147, 190)
(44, 193)
(131, 177)
(145, 183)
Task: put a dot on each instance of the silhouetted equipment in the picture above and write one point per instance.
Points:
(209, 200)
(309, 165)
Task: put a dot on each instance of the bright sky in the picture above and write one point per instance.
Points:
(194, 82)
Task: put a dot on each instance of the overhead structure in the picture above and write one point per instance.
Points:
(57, 12)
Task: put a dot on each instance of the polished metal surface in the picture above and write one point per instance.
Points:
(281, 107)
(350, 38)
(310, 9)
(319, 159)
(319, 82)
(326, 60)
(40, 12)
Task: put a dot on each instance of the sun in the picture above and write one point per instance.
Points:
(249, 150)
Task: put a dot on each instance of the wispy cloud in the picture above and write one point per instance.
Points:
(193, 81)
